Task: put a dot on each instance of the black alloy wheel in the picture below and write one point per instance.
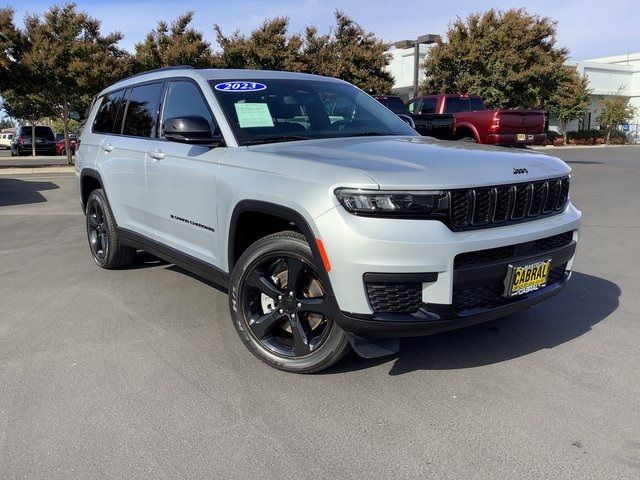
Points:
(284, 303)
(106, 248)
(97, 231)
(280, 307)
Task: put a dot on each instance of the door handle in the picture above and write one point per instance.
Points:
(157, 154)
(108, 147)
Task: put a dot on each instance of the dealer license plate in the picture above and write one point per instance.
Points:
(525, 278)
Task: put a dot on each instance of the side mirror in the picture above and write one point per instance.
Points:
(192, 129)
(407, 119)
(73, 115)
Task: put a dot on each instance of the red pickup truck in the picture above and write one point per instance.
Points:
(474, 123)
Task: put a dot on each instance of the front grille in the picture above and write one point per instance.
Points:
(491, 295)
(491, 206)
(394, 297)
(492, 255)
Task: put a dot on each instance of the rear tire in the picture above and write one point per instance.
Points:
(278, 306)
(467, 140)
(104, 244)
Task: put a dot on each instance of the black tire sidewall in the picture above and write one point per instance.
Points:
(291, 244)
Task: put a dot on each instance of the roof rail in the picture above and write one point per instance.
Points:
(163, 69)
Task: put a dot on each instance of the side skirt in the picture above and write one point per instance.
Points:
(171, 255)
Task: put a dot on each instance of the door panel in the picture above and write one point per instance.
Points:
(122, 161)
(182, 184)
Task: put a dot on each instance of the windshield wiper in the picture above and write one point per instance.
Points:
(275, 138)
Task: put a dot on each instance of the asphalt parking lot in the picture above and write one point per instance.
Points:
(138, 373)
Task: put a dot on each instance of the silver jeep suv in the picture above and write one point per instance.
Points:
(332, 224)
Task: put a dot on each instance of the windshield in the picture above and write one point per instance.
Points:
(260, 111)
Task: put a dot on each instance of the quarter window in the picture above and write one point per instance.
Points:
(184, 99)
(105, 119)
(142, 110)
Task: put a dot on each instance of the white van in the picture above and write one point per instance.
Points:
(5, 140)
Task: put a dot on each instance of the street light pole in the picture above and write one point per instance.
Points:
(421, 40)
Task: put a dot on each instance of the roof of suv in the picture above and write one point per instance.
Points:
(213, 74)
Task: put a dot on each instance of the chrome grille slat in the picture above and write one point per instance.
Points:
(492, 205)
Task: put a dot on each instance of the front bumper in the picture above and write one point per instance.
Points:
(431, 319)
(358, 246)
(512, 139)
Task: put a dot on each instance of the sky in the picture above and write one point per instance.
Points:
(590, 29)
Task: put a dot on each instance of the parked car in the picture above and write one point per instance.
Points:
(60, 145)
(427, 124)
(474, 123)
(44, 140)
(5, 140)
(331, 228)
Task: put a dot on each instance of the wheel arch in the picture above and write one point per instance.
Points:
(286, 214)
(90, 180)
(463, 129)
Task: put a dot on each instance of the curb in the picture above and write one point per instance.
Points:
(33, 170)
(567, 147)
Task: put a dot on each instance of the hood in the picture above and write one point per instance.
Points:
(423, 162)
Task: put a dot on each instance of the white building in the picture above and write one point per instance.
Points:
(619, 74)
(402, 65)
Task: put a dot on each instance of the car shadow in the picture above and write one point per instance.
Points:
(586, 301)
(14, 191)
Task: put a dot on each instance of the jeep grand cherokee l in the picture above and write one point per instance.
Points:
(332, 228)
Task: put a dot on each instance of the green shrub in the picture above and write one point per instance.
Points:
(595, 137)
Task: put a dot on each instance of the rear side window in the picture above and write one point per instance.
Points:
(454, 105)
(477, 105)
(429, 105)
(142, 110)
(106, 116)
(183, 100)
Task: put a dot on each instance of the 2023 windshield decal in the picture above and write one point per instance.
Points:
(240, 86)
(191, 222)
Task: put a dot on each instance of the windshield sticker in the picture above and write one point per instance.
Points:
(240, 87)
(253, 115)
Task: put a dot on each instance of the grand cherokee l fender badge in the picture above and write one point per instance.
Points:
(191, 222)
(520, 171)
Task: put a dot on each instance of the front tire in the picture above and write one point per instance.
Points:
(106, 248)
(279, 307)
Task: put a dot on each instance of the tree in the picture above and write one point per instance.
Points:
(57, 60)
(177, 44)
(6, 123)
(507, 57)
(614, 111)
(348, 52)
(358, 56)
(570, 101)
(268, 47)
(21, 85)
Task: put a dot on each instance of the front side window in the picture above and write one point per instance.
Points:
(264, 110)
(185, 99)
(142, 110)
(106, 116)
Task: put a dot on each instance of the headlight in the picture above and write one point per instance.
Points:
(393, 203)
